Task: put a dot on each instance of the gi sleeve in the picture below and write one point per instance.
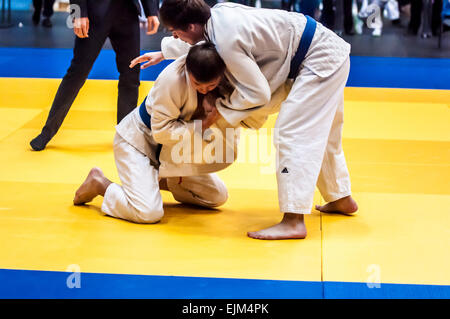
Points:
(252, 89)
(172, 48)
(164, 105)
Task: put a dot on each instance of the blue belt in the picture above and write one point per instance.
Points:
(145, 117)
(144, 114)
(303, 47)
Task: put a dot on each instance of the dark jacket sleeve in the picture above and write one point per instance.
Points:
(83, 6)
(151, 7)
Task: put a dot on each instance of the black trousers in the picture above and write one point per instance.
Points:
(120, 24)
(48, 7)
(416, 15)
(329, 14)
(436, 17)
(416, 12)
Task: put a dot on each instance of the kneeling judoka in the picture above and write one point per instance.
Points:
(147, 147)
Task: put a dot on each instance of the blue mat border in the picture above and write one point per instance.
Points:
(53, 64)
(388, 72)
(34, 284)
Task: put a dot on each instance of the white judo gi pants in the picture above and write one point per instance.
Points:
(309, 129)
(139, 200)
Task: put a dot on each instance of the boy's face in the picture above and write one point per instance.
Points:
(204, 88)
(192, 35)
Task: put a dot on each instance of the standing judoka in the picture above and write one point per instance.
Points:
(117, 20)
(265, 50)
(145, 167)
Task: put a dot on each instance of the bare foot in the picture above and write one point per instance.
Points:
(95, 184)
(345, 205)
(291, 227)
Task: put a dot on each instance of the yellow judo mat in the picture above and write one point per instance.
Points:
(397, 146)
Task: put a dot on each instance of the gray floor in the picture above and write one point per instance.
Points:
(393, 42)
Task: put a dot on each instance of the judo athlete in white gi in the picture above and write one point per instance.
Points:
(168, 111)
(265, 50)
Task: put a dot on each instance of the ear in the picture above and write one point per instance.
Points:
(191, 27)
(196, 27)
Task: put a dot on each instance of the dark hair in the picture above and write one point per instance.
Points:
(204, 63)
(178, 14)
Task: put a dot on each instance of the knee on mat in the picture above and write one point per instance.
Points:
(149, 215)
(218, 197)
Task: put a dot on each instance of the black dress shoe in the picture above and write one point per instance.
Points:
(36, 17)
(39, 142)
(47, 23)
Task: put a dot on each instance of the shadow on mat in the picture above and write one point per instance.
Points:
(171, 210)
(80, 149)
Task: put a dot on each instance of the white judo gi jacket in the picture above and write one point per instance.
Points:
(171, 103)
(257, 46)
